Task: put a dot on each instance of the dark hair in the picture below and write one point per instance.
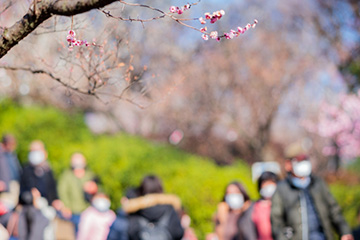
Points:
(132, 192)
(241, 189)
(6, 138)
(150, 184)
(267, 176)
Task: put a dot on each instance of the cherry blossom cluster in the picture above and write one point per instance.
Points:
(228, 35)
(212, 17)
(72, 41)
(340, 124)
(179, 10)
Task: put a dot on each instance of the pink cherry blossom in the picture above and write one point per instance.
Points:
(72, 41)
(205, 37)
(173, 9)
(72, 33)
(204, 29)
(340, 123)
(202, 21)
(214, 35)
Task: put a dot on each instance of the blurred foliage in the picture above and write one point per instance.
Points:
(122, 160)
(354, 167)
(348, 198)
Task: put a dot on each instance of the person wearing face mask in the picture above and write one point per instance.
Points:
(255, 223)
(303, 207)
(37, 174)
(37, 180)
(235, 202)
(72, 188)
(96, 220)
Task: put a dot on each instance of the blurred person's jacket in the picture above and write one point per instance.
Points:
(95, 224)
(71, 190)
(254, 223)
(40, 177)
(289, 211)
(153, 207)
(13, 164)
(119, 228)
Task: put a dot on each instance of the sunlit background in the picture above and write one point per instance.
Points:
(234, 102)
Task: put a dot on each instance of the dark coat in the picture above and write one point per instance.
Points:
(286, 211)
(32, 224)
(119, 228)
(41, 178)
(153, 214)
(247, 228)
(5, 175)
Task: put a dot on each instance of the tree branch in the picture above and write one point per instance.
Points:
(90, 92)
(40, 71)
(44, 10)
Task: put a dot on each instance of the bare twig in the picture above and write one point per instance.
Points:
(49, 74)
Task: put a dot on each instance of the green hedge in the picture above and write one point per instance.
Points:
(122, 160)
(348, 198)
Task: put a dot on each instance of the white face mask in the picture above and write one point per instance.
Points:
(36, 157)
(101, 204)
(302, 168)
(268, 191)
(301, 183)
(234, 200)
(78, 166)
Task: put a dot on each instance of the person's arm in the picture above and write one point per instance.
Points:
(336, 217)
(52, 188)
(63, 189)
(221, 216)
(26, 180)
(175, 228)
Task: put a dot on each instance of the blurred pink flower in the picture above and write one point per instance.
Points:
(205, 37)
(202, 21)
(214, 34)
(180, 11)
(341, 124)
(173, 9)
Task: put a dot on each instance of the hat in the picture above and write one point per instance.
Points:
(298, 149)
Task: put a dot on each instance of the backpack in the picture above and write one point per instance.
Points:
(154, 230)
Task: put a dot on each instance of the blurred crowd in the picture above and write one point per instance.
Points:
(34, 206)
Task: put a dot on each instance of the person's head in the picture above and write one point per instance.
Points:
(298, 166)
(150, 184)
(78, 161)
(37, 153)
(101, 202)
(78, 164)
(235, 195)
(267, 184)
(8, 143)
